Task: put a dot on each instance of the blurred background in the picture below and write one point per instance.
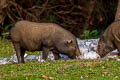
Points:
(84, 18)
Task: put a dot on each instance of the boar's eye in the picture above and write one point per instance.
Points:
(69, 41)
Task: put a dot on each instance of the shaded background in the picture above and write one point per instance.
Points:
(73, 15)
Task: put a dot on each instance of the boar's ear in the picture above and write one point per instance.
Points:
(69, 41)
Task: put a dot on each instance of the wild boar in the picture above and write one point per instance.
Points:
(32, 36)
(110, 40)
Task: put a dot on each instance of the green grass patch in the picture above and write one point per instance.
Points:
(58, 70)
(7, 50)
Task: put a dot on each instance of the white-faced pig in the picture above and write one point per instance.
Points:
(31, 36)
(110, 40)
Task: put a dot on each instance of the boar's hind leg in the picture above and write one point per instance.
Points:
(19, 52)
(45, 52)
(56, 55)
(118, 47)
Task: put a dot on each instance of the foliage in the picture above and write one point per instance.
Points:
(87, 34)
(51, 18)
(7, 28)
(5, 34)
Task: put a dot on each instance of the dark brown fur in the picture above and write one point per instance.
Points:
(110, 40)
(31, 36)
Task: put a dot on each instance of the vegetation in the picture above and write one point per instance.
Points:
(78, 18)
(87, 34)
(62, 70)
(58, 70)
(74, 15)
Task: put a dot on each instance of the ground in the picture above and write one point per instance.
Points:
(58, 70)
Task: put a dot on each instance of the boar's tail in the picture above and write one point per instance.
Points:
(115, 36)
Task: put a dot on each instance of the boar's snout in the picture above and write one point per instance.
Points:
(75, 55)
(72, 55)
(77, 52)
(68, 47)
(100, 49)
(104, 47)
(74, 51)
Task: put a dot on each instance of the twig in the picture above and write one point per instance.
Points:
(65, 12)
(44, 7)
(25, 11)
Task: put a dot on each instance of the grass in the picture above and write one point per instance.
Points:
(58, 70)
(6, 49)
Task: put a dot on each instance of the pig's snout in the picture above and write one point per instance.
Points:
(77, 52)
(75, 55)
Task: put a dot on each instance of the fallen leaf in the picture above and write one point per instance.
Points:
(103, 67)
(1, 74)
(91, 72)
(116, 77)
(11, 71)
(44, 76)
(51, 78)
(105, 73)
(47, 72)
(81, 77)
(47, 64)
(60, 71)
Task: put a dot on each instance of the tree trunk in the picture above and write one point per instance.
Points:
(3, 6)
(117, 16)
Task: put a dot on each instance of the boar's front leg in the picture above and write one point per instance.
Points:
(19, 52)
(45, 53)
(22, 54)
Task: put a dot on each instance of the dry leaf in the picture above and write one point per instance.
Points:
(103, 67)
(44, 76)
(51, 78)
(60, 71)
(105, 73)
(47, 72)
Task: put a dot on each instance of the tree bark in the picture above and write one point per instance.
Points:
(117, 16)
(3, 6)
